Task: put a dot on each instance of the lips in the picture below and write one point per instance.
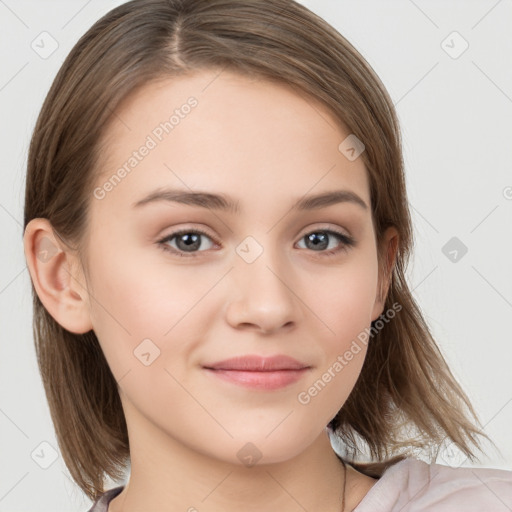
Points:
(257, 372)
(257, 363)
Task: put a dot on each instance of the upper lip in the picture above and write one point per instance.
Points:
(258, 363)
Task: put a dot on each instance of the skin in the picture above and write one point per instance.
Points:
(265, 145)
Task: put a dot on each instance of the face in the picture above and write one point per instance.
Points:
(177, 285)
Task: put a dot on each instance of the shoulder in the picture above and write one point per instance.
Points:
(415, 486)
(465, 488)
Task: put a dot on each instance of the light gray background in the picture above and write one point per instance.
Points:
(456, 117)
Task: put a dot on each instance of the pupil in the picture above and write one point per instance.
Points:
(318, 240)
(190, 240)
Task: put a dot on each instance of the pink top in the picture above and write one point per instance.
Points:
(415, 486)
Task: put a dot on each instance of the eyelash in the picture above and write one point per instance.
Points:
(347, 242)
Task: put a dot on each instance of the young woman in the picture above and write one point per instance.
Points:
(217, 232)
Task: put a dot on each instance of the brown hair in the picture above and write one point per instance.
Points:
(404, 382)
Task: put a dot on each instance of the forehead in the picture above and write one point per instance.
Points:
(229, 133)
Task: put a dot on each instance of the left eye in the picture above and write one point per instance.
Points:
(321, 238)
(189, 241)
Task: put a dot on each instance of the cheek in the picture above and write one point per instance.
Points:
(142, 304)
(343, 298)
(344, 304)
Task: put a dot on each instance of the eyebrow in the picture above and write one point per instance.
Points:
(225, 203)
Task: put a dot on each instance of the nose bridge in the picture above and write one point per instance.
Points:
(262, 280)
(261, 260)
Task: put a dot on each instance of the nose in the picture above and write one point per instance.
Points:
(263, 295)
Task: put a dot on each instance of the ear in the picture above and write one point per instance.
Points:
(57, 276)
(389, 250)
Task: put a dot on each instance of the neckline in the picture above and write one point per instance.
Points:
(109, 495)
(376, 489)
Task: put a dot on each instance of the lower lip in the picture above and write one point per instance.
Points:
(260, 380)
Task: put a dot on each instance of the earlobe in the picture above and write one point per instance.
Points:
(390, 242)
(54, 271)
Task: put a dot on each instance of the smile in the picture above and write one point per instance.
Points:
(265, 380)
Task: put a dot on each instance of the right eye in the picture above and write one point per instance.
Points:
(188, 239)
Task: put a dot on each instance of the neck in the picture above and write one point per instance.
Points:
(166, 475)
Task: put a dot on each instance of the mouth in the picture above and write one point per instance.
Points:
(257, 372)
(265, 380)
(258, 363)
